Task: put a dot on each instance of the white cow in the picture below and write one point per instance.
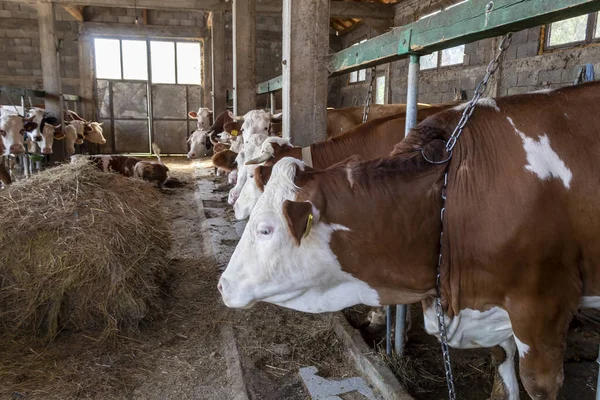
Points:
(203, 117)
(255, 121)
(200, 145)
(12, 128)
(93, 133)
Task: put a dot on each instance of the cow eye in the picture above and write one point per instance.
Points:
(3, 133)
(264, 230)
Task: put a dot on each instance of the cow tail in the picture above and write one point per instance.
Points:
(156, 151)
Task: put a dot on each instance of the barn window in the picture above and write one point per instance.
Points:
(188, 63)
(358, 76)
(135, 59)
(451, 56)
(162, 55)
(573, 31)
(380, 89)
(108, 58)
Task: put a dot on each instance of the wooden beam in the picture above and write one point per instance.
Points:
(340, 9)
(154, 31)
(145, 16)
(76, 12)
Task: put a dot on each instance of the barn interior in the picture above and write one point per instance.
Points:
(140, 67)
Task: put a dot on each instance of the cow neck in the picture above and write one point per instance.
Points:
(398, 194)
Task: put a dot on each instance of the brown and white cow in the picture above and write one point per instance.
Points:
(200, 145)
(521, 231)
(203, 117)
(13, 129)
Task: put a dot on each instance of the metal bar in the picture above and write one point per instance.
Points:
(388, 330)
(272, 101)
(272, 85)
(412, 93)
(149, 102)
(462, 24)
(401, 311)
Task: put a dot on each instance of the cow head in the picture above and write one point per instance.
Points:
(255, 121)
(270, 149)
(48, 128)
(271, 262)
(13, 129)
(200, 145)
(69, 134)
(248, 152)
(203, 116)
(258, 176)
(92, 132)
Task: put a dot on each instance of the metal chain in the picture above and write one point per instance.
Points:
(369, 95)
(439, 310)
(491, 68)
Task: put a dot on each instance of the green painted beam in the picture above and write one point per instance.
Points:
(71, 97)
(271, 85)
(462, 24)
(22, 92)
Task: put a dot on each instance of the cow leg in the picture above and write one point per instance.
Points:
(505, 386)
(540, 336)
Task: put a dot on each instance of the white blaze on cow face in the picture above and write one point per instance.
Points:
(12, 131)
(202, 117)
(198, 148)
(47, 139)
(542, 160)
(248, 152)
(269, 266)
(248, 196)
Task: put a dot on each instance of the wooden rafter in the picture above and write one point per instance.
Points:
(75, 11)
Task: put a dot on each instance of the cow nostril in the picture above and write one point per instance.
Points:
(220, 287)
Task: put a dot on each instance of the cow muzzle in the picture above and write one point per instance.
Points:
(17, 149)
(47, 150)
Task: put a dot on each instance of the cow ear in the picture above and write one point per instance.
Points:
(299, 217)
(225, 160)
(233, 128)
(59, 135)
(29, 126)
(192, 114)
(100, 123)
(262, 173)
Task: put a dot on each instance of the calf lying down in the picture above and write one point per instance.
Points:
(150, 171)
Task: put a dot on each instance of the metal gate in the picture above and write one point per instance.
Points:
(129, 127)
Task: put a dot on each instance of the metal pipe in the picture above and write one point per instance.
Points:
(400, 328)
(272, 102)
(388, 330)
(412, 92)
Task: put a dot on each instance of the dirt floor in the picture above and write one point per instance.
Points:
(198, 348)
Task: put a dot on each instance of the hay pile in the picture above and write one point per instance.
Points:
(80, 250)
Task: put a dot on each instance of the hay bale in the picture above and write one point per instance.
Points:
(81, 250)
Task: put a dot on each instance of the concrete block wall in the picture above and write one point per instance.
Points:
(525, 66)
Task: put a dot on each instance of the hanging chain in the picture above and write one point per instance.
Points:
(439, 310)
(369, 95)
(491, 68)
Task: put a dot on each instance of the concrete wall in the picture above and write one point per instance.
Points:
(525, 67)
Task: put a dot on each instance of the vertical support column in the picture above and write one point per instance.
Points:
(50, 68)
(219, 84)
(207, 83)
(412, 92)
(244, 56)
(86, 78)
(305, 57)
(273, 102)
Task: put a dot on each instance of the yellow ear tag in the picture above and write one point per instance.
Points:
(234, 132)
(308, 225)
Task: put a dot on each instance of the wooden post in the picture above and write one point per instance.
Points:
(219, 84)
(50, 69)
(305, 56)
(244, 56)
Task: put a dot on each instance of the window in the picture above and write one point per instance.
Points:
(188, 63)
(170, 62)
(380, 90)
(108, 58)
(361, 75)
(451, 56)
(573, 31)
